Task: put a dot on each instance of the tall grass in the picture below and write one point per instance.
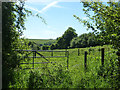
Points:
(56, 75)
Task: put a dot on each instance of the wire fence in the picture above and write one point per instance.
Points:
(91, 58)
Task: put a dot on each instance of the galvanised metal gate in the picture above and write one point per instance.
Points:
(34, 52)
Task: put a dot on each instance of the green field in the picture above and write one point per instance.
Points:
(42, 41)
(75, 76)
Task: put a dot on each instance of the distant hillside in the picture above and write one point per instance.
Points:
(43, 41)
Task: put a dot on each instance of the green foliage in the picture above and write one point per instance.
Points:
(105, 20)
(43, 41)
(64, 41)
(55, 75)
(58, 78)
(45, 78)
(13, 18)
(23, 44)
(38, 44)
(104, 76)
(52, 47)
(86, 40)
(45, 47)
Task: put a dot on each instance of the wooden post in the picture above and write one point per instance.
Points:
(85, 60)
(33, 59)
(78, 52)
(89, 51)
(66, 52)
(32, 46)
(67, 59)
(52, 53)
(102, 56)
(35, 54)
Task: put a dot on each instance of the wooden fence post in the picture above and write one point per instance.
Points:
(78, 52)
(102, 56)
(52, 53)
(35, 54)
(89, 51)
(66, 52)
(85, 60)
(33, 59)
(67, 59)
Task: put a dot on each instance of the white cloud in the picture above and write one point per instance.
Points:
(39, 1)
(48, 6)
(57, 6)
(53, 4)
(48, 1)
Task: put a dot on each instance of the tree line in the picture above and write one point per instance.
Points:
(70, 39)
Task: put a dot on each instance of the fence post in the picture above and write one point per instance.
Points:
(66, 52)
(52, 53)
(85, 60)
(33, 59)
(102, 56)
(89, 51)
(35, 54)
(67, 59)
(78, 52)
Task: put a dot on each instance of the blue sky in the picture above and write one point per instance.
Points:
(58, 15)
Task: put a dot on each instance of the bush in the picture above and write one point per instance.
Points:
(45, 78)
(45, 47)
(52, 47)
(56, 78)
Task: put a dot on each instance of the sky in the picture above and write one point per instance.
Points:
(58, 15)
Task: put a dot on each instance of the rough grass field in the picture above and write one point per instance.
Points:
(42, 41)
(75, 76)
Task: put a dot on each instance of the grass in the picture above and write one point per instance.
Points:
(43, 41)
(76, 72)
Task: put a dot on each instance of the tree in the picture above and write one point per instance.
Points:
(73, 43)
(11, 30)
(106, 20)
(13, 17)
(52, 46)
(64, 41)
(60, 43)
(84, 40)
(45, 47)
